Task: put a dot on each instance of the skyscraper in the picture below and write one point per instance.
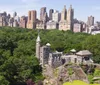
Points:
(5, 14)
(90, 21)
(63, 21)
(9, 16)
(64, 14)
(23, 21)
(14, 14)
(29, 16)
(42, 13)
(32, 16)
(70, 18)
(11, 21)
(56, 16)
(3, 21)
(45, 18)
(50, 13)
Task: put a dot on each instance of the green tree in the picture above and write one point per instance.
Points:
(3, 81)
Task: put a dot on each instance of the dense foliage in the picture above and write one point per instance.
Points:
(17, 51)
(17, 57)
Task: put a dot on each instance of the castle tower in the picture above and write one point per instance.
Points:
(38, 47)
(44, 52)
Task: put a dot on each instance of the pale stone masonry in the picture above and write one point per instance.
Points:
(52, 25)
(77, 27)
(67, 19)
(56, 59)
(64, 14)
(38, 47)
(44, 54)
(56, 16)
(40, 25)
(63, 25)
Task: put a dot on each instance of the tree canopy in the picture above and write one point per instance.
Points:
(17, 51)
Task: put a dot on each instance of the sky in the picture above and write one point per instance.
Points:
(82, 8)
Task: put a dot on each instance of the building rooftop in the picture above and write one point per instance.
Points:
(56, 53)
(73, 50)
(48, 44)
(84, 53)
(69, 56)
(63, 21)
(38, 39)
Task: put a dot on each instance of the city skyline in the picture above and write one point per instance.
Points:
(83, 9)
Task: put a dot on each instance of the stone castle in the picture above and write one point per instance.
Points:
(45, 55)
(56, 59)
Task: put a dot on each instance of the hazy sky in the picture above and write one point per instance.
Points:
(83, 8)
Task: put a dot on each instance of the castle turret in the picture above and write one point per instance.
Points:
(38, 47)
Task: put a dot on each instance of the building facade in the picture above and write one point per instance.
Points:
(40, 25)
(45, 18)
(63, 25)
(70, 18)
(3, 21)
(77, 27)
(56, 16)
(63, 21)
(51, 11)
(32, 16)
(90, 21)
(15, 23)
(97, 24)
(56, 59)
(52, 25)
(42, 13)
(44, 54)
(38, 47)
(64, 14)
(23, 22)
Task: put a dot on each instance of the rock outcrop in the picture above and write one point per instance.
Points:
(64, 73)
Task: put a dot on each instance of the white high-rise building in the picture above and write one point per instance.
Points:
(56, 16)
